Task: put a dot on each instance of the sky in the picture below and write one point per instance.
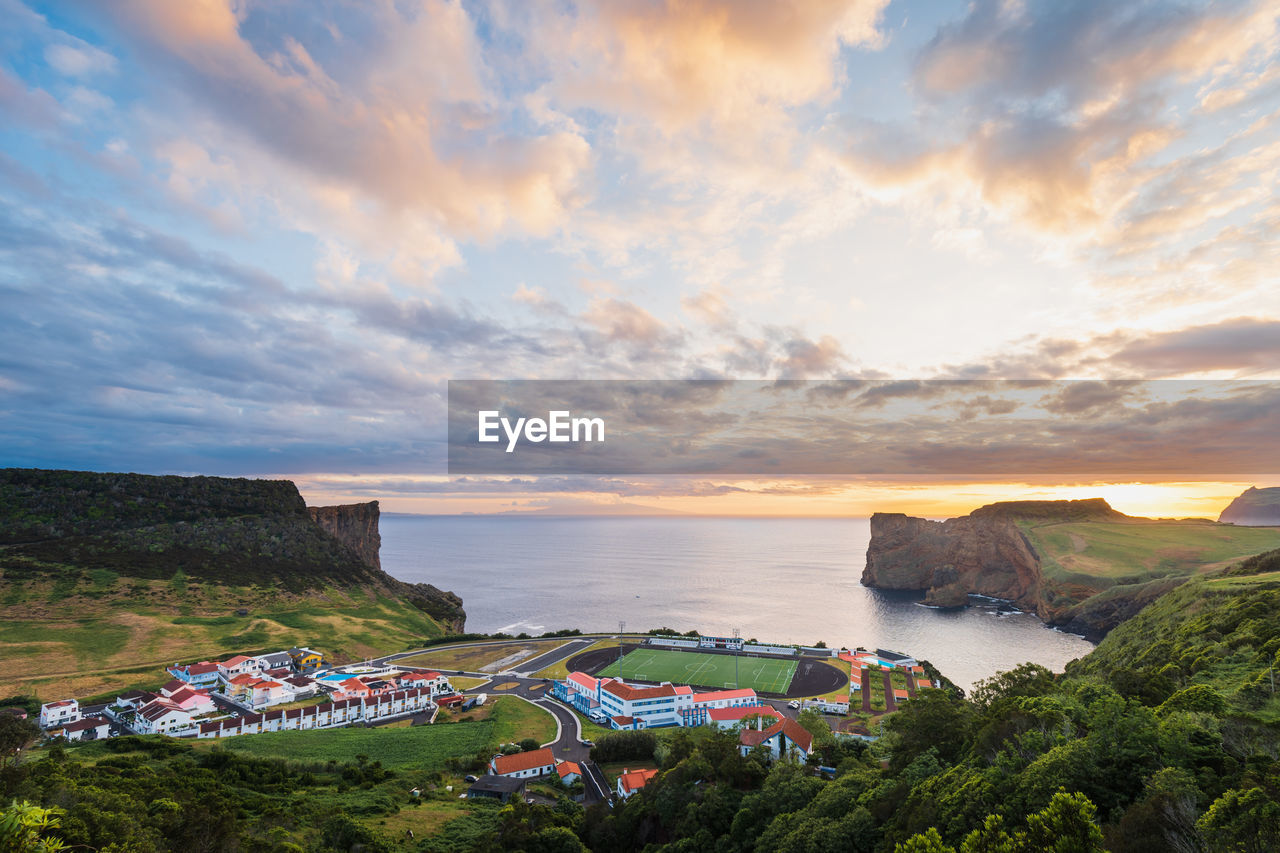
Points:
(258, 238)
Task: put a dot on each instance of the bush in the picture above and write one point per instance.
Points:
(624, 746)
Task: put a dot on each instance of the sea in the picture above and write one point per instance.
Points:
(782, 580)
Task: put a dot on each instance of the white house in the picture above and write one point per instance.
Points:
(55, 714)
(568, 771)
(525, 765)
(89, 728)
(161, 717)
(631, 781)
(238, 665)
(275, 660)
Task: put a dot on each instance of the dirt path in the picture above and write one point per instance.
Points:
(890, 700)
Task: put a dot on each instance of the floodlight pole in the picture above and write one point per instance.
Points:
(622, 626)
(736, 683)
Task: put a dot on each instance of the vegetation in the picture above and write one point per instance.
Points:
(107, 575)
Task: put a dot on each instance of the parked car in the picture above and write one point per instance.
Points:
(793, 704)
(585, 742)
(470, 778)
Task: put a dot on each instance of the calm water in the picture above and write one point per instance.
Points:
(786, 580)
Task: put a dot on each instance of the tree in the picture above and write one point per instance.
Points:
(529, 744)
(1242, 820)
(928, 841)
(15, 734)
(22, 826)
(932, 720)
(1066, 825)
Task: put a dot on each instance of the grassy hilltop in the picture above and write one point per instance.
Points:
(1078, 564)
(106, 577)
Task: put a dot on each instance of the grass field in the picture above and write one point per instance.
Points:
(1131, 552)
(770, 675)
(510, 719)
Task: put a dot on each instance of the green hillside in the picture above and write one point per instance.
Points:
(1220, 632)
(106, 578)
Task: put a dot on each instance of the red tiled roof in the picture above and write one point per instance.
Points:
(202, 668)
(505, 764)
(85, 724)
(741, 712)
(634, 780)
(564, 768)
(158, 708)
(235, 661)
(173, 686)
(583, 680)
(721, 695)
(627, 693)
(792, 730)
(623, 720)
(61, 703)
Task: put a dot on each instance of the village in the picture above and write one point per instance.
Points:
(298, 689)
(252, 694)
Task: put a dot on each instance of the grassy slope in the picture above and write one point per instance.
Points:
(419, 747)
(107, 578)
(1136, 551)
(97, 636)
(1222, 631)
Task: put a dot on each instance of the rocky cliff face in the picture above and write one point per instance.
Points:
(983, 553)
(1254, 507)
(354, 525)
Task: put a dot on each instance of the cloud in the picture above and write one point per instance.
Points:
(367, 112)
(79, 60)
(683, 63)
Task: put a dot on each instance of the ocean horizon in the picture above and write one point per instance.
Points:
(779, 579)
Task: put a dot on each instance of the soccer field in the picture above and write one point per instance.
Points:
(769, 675)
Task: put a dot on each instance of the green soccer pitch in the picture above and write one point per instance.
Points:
(768, 675)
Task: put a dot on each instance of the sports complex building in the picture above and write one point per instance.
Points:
(650, 685)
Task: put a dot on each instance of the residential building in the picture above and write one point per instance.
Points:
(633, 780)
(727, 718)
(55, 714)
(785, 738)
(263, 692)
(300, 686)
(89, 728)
(305, 660)
(202, 674)
(238, 665)
(437, 683)
(275, 660)
(161, 717)
(525, 765)
(568, 771)
(194, 702)
(501, 788)
(135, 699)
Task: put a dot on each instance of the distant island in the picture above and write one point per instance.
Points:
(1079, 565)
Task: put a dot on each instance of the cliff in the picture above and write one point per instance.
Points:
(354, 525)
(67, 525)
(1077, 564)
(1253, 507)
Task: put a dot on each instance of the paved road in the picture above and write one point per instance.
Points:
(543, 661)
